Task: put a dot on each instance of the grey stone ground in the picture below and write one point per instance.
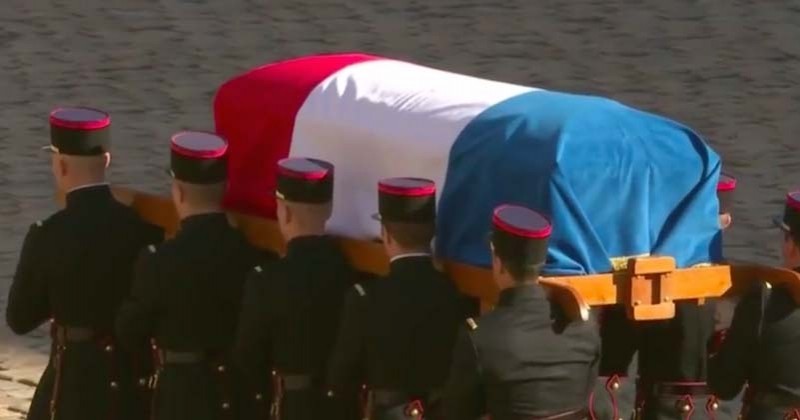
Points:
(726, 68)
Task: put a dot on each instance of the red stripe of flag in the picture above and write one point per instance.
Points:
(256, 113)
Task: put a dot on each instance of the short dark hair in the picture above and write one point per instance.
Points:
(411, 235)
(516, 259)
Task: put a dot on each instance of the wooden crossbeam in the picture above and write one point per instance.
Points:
(647, 286)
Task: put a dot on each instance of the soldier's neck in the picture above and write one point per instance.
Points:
(74, 183)
(186, 212)
(301, 231)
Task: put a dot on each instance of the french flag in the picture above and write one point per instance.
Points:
(615, 181)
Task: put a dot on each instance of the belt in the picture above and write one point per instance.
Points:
(179, 357)
(776, 400)
(579, 414)
(65, 334)
(296, 382)
(681, 388)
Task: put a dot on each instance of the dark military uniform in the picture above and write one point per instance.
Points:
(761, 348)
(614, 395)
(291, 309)
(672, 365)
(397, 333)
(523, 360)
(289, 321)
(762, 344)
(75, 268)
(673, 354)
(186, 296)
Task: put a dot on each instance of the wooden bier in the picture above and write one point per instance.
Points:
(647, 286)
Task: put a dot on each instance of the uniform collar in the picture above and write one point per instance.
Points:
(89, 193)
(412, 262)
(307, 243)
(516, 295)
(410, 255)
(204, 219)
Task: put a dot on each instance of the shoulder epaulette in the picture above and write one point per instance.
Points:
(151, 248)
(360, 289)
(472, 324)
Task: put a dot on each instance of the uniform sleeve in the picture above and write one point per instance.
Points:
(136, 319)
(728, 369)
(28, 305)
(252, 345)
(464, 398)
(345, 364)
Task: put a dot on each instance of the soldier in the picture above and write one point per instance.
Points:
(187, 293)
(724, 307)
(672, 356)
(75, 268)
(291, 307)
(399, 331)
(762, 344)
(523, 360)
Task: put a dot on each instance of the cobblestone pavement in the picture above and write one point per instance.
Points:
(728, 69)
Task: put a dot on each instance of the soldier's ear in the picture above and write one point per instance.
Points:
(181, 192)
(287, 213)
(385, 237)
(725, 220)
(63, 166)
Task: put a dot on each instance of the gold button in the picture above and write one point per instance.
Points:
(142, 382)
(686, 408)
(259, 397)
(114, 384)
(221, 368)
(330, 394)
(414, 412)
(109, 348)
(615, 385)
(225, 406)
(154, 347)
(714, 405)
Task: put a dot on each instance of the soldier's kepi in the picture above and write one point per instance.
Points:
(198, 157)
(789, 222)
(79, 132)
(305, 180)
(523, 359)
(74, 268)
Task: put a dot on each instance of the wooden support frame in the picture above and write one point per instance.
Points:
(647, 286)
